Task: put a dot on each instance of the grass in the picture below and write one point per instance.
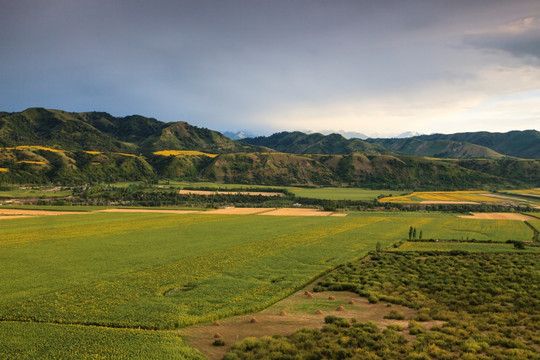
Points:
(31, 193)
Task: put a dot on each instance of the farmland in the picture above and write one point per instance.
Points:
(326, 193)
(484, 312)
(159, 271)
(442, 197)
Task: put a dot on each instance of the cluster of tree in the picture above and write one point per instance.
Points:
(412, 233)
(487, 313)
(136, 196)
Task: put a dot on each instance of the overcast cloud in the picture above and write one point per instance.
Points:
(367, 66)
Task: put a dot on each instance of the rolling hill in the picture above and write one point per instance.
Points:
(300, 143)
(521, 144)
(39, 146)
(99, 131)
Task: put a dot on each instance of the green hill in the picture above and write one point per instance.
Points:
(522, 144)
(56, 129)
(438, 148)
(40, 146)
(299, 143)
(99, 131)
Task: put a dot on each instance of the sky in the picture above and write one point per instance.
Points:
(375, 67)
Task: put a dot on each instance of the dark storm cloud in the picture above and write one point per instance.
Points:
(238, 63)
(519, 38)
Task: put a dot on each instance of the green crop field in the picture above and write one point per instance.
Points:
(31, 193)
(163, 271)
(326, 193)
(329, 193)
(26, 340)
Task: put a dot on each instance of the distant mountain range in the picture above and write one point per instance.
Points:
(239, 135)
(486, 145)
(300, 143)
(53, 146)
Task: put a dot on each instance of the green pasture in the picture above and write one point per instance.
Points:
(163, 271)
(31, 193)
(325, 193)
(331, 193)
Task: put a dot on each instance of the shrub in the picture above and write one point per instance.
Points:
(218, 342)
(395, 314)
(230, 356)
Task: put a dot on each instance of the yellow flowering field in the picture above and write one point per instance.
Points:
(31, 162)
(183, 153)
(33, 147)
(442, 196)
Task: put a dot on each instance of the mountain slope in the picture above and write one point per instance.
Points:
(57, 129)
(300, 143)
(183, 136)
(438, 148)
(99, 131)
(522, 144)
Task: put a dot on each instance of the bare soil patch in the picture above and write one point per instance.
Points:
(37, 212)
(252, 193)
(7, 217)
(239, 211)
(497, 216)
(431, 202)
(157, 211)
(302, 311)
(298, 212)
